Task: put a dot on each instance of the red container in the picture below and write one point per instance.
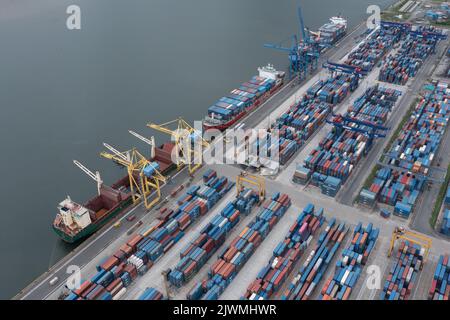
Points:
(110, 263)
(134, 241)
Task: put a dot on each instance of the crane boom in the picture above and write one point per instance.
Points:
(115, 151)
(150, 142)
(94, 176)
(302, 24)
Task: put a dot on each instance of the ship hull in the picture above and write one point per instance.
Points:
(93, 227)
(243, 114)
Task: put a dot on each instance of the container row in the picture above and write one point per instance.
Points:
(350, 267)
(332, 161)
(440, 285)
(411, 154)
(286, 254)
(116, 272)
(404, 272)
(311, 272)
(195, 255)
(231, 260)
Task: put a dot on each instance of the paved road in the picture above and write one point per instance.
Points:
(41, 289)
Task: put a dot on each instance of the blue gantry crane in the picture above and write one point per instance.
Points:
(367, 128)
(344, 68)
(304, 54)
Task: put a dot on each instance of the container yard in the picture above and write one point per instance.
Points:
(331, 163)
(440, 287)
(195, 255)
(369, 52)
(398, 67)
(286, 254)
(231, 260)
(409, 160)
(135, 257)
(311, 272)
(349, 268)
(403, 273)
(220, 233)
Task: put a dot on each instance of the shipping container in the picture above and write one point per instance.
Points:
(404, 272)
(231, 259)
(195, 255)
(286, 254)
(440, 285)
(348, 141)
(413, 152)
(350, 267)
(303, 285)
(141, 251)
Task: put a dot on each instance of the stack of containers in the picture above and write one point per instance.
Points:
(151, 294)
(330, 33)
(233, 257)
(398, 68)
(350, 267)
(107, 284)
(404, 272)
(310, 274)
(302, 120)
(212, 236)
(413, 151)
(440, 285)
(367, 198)
(372, 49)
(336, 88)
(246, 96)
(342, 149)
(331, 186)
(286, 254)
(445, 227)
(301, 174)
(135, 257)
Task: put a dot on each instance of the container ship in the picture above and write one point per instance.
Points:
(243, 100)
(332, 31)
(75, 222)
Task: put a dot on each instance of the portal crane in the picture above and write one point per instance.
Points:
(245, 177)
(188, 143)
(367, 128)
(94, 176)
(344, 68)
(144, 175)
(400, 233)
(303, 55)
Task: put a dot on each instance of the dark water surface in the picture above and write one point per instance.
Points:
(62, 93)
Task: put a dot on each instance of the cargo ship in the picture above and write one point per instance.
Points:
(332, 31)
(243, 100)
(75, 222)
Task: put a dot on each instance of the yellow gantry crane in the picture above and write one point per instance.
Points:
(245, 177)
(411, 236)
(143, 174)
(188, 143)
